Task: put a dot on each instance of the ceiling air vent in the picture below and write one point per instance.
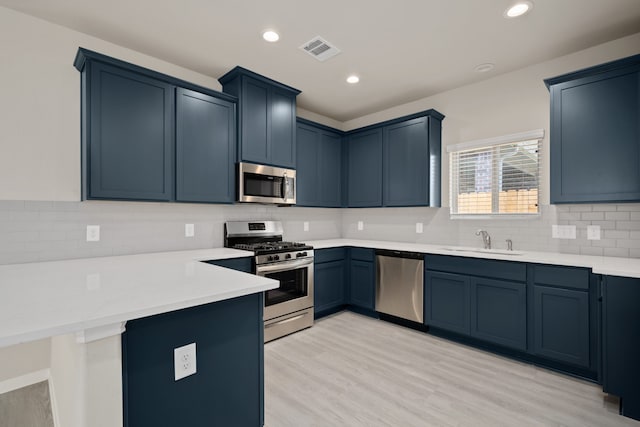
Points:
(320, 49)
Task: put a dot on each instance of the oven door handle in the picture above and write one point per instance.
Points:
(283, 266)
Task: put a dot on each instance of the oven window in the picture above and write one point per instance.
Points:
(293, 284)
(262, 185)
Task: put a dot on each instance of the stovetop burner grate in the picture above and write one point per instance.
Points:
(270, 246)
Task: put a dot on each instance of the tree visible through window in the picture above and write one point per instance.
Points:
(499, 178)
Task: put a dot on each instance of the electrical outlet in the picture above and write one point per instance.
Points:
(305, 226)
(593, 232)
(419, 227)
(184, 361)
(93, 233)
(360, 225)
(189, 230)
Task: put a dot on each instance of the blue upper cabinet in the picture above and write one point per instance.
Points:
(267, 118)
(205, 148)
(149, 136)
(319, 165)
(406, 163)
(365, 168)
(595, 137)
(129, 144)
(396, 163)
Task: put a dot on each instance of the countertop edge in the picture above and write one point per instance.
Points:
(623, 267)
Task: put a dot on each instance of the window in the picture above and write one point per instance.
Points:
(496, 176)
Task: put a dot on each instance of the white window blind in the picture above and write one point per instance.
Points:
(497, 176)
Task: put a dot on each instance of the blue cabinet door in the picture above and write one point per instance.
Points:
(561, 325)
(228, 388)
(267, 118)
(254, 110)
(205, 148)
(406, 163)
(621, 342)
(365, 168)
(307, 174)
(362, 280)
(330, 170)
(282, 135)
(329, 286)
(130, 144)
(499, 312)
(595, 137)
(319, 166)
(447, 301)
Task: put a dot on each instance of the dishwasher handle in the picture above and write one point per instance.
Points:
(399, 254)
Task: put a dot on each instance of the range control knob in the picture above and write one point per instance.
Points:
(276, 257)
(270, 258)
(301, 254)
(287, 256)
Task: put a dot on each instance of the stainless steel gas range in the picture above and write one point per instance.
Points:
(289, 308)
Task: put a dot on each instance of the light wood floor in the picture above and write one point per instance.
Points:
(350, 370)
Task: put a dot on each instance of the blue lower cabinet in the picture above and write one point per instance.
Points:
(241, 264)
(329, 286)
(447, 301)
(228, 387)
(362, 280)
(499, 312)
(621, 342)
(561, 325)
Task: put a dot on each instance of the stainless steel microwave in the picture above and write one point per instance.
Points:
(266, 184)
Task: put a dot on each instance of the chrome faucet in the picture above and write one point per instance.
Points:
(486, 239)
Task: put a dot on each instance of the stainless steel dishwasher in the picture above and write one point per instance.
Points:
(399, 284)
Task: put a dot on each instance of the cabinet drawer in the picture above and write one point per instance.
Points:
(505, 270)
(327, 255)
(363, 254)
(566, 277)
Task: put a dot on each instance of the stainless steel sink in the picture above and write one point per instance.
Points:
(485, 251)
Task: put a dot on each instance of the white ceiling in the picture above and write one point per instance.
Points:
(403, 50)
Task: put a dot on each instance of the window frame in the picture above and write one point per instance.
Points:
(492, 145)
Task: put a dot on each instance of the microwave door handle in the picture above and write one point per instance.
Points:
(283, 187)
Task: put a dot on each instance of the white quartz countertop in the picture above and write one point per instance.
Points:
(625, 267)
(93, 297)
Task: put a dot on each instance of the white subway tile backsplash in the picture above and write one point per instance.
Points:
(616, 234)
(617, 252)
(604, 243)
(628, 225)
(617, 216)
(581, 208)
(592, 216)
(590, 250)
(631, 244)
(604, 225)
(32, 231)
(604, 208)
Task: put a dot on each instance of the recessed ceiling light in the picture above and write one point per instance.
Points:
(353, 79)
(483, 68)
(518, 9)
(270, 36)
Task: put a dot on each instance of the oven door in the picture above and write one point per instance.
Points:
(296, 287)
